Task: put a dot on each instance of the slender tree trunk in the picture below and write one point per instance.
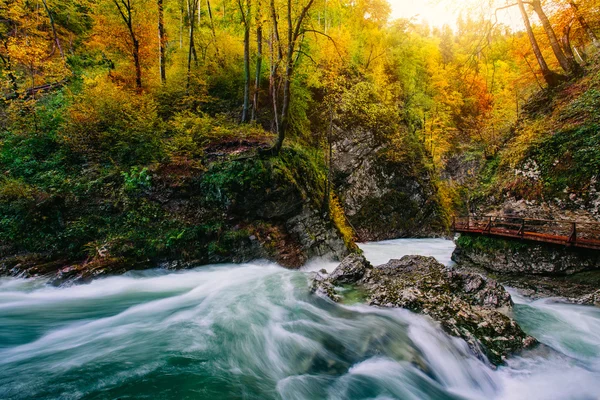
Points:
(136, 61)
(161, 43)
(582, 58)
(550, 77)
(246, 108)
(258, 61)
(191, 13)
(246, 22)
(126, 11)
(272, 84)
(180, 24)
(293, 33)
(287, 82)
(586, 27)
(53, 27)
(566, 44)
(212, 26)
(569, 67)
(192, 47)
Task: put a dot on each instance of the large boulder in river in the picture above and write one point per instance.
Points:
(467, 305)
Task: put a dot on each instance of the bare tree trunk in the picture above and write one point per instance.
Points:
(212, 26)
(161, 43)
(566, 44)
(258, 61)
(180, 24)
(126, 11)
(287, 84)
(569, 67)
(246, 22)
(192, 7)
(551, 78)
(136, 61)
(586, 27)
(53, 27)
(293, 34)
(272, 83)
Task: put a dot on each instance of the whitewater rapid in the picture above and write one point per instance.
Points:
(254, 331)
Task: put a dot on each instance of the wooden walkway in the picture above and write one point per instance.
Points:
(568, 233)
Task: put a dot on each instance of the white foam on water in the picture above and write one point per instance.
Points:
(254, 331)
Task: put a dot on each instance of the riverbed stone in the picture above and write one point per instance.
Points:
(467, 305)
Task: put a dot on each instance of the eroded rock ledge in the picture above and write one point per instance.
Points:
(466, 305)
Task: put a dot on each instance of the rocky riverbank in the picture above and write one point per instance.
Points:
(507, 256)
(536, 270)
(467, 305)
(232, 207)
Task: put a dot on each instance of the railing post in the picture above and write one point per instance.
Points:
(573, 237)
(522, 228)
(453, 226)
(488, 228)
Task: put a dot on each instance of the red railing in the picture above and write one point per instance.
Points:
(568, 233)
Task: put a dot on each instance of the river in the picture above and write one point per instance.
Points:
(254, 331)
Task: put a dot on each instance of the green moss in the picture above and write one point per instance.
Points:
(488, 244)
(570, 158)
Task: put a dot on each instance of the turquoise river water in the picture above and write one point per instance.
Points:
(254, 331)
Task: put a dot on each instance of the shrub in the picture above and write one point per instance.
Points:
(109, 124)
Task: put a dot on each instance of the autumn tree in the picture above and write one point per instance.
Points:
(162, 63)
(569, 65)
(244, 7)
(294, 27)
(551, 77)
(126, 11)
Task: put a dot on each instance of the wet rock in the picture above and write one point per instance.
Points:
(316, 235)
(592, 299)
(467, 305)
(511, 257)
(350, 270)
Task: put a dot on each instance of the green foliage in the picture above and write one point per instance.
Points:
(109, 124)
(569, 159)
(583, 108)
(136, 180)
(487, 244)
(361, 106)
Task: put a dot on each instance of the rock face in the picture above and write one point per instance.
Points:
(384, 197)
(466, 305)
(509, 257)
(228, 211)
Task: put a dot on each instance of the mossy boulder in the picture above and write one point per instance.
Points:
(467, 305)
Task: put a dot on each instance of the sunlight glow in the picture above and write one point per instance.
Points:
(423, 10)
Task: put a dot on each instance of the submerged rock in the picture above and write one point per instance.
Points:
(467, 305)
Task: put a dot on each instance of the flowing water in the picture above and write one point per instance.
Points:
(254, 331)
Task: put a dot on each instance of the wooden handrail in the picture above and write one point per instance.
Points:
(569, 233)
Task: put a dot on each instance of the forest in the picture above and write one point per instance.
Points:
(108, 105)
(300, 199)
